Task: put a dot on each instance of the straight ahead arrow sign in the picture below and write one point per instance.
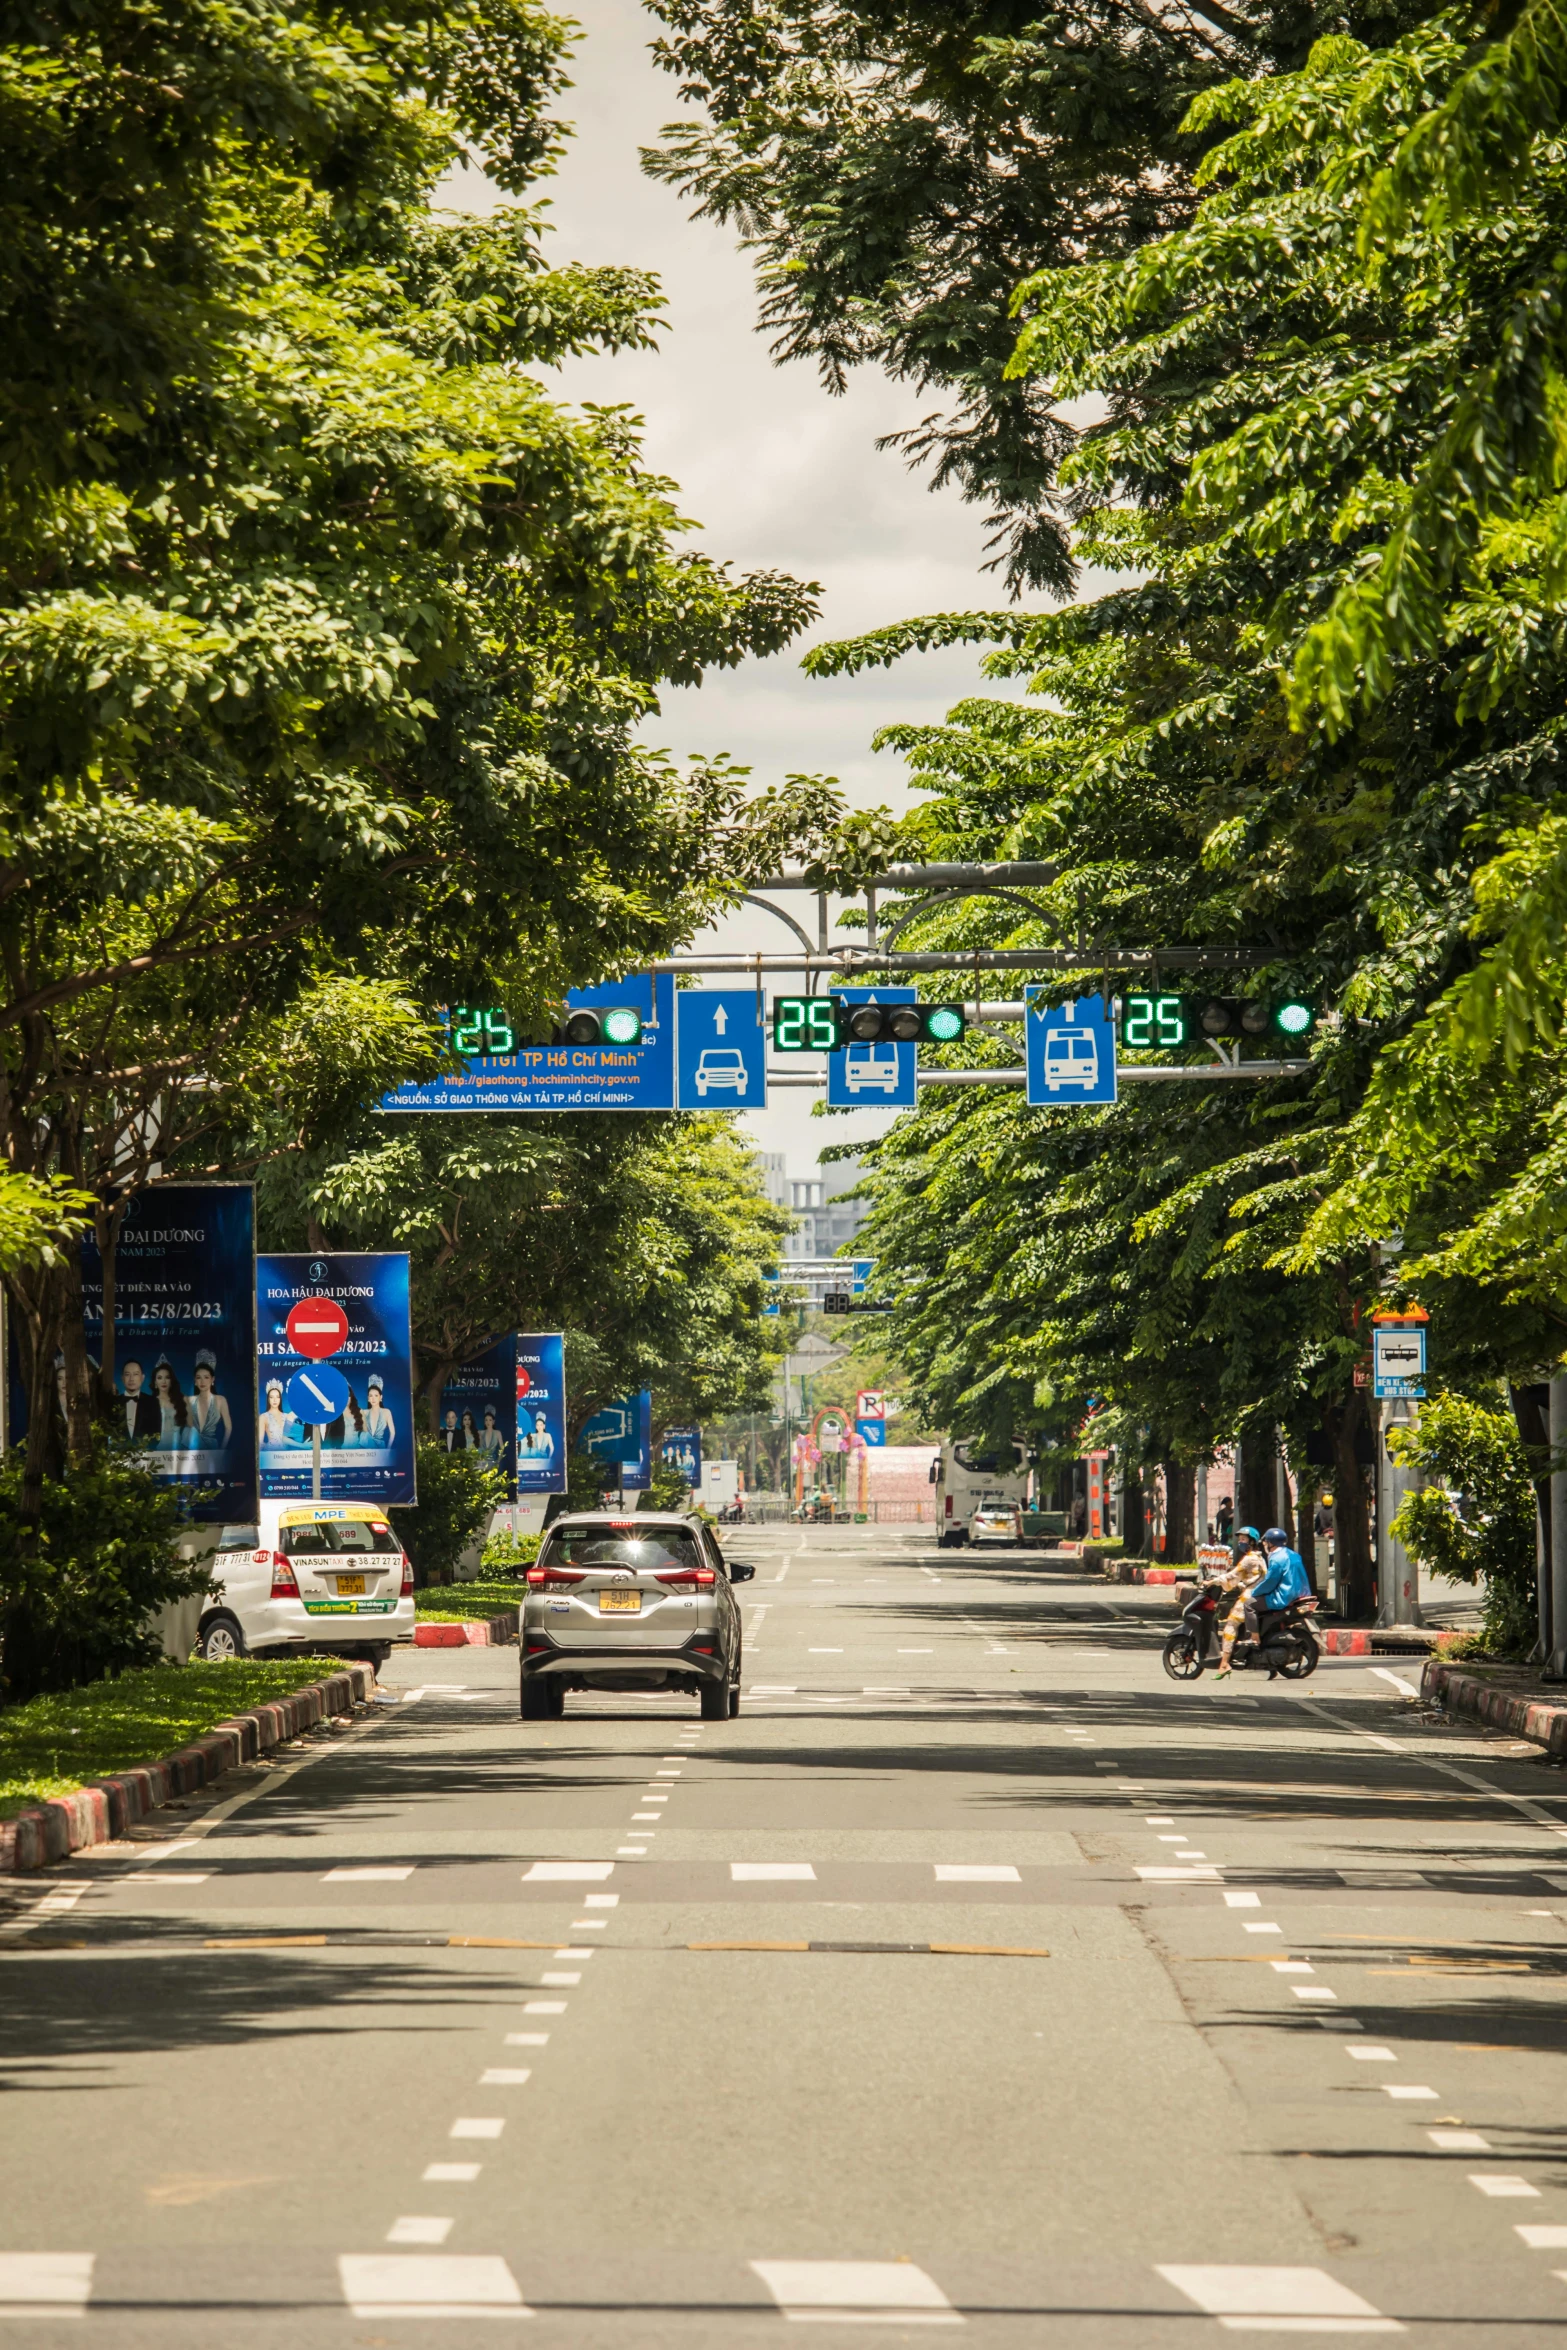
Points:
(720, 1019)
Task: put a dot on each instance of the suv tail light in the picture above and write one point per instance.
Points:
(408, 1578)
(949, 1505)
(285, 1583)
(540, 1578)
(703, 1575)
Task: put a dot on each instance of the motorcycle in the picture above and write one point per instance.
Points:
(1285, 1644)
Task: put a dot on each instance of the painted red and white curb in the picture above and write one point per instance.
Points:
(1500, 1708)
(469, 1632)
(105, 1808)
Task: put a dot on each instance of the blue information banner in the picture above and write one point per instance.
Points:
(682, 1450)
(622, 1435)
(721, 1049)
(184, 1340)
(541, 1412)
(1070, 1050)
(873, 1431)
(368, 1454)
(479, 1410)
(568, 1076)
(861, 1073)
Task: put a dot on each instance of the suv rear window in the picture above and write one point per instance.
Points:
(606, 1546)
(337, 1538)
(240, 1538)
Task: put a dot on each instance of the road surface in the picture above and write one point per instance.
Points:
(977, 1977)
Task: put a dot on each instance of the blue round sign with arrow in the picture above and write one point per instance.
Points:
(317, 1395)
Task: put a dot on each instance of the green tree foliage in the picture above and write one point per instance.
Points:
(459, 1493)
(897, 169)
(1477, 1522)
(80, 1579)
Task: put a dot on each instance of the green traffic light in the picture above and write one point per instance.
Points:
(944, 1023)
(622, 1024)
(1293, 1018)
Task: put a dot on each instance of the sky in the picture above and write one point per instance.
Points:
(778, 473)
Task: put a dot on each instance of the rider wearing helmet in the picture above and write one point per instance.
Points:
(1286, 1579)
(1247, 1574)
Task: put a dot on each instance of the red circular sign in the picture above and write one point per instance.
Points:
(316, 1327)
(524, 1381)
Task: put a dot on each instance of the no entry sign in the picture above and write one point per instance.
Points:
(316, 1328)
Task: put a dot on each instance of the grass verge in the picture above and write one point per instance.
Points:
(54, 1744)
(459, 1603)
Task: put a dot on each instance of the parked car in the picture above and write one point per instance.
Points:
(998, 1519)
(631, 1603)
(309, 1574)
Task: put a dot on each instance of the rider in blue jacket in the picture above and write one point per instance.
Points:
(1286, 1579)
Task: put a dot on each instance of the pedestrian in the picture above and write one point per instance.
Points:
(1225, 1516)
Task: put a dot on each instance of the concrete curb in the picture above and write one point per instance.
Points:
(470, 1632)
(106, 1808)
(1133, 1571)
(1499, 1708)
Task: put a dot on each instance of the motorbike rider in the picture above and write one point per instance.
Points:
(1248, 1572)
(1286, 1579)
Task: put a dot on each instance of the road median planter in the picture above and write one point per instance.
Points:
(106, 1807)
(1502, 1699)
(1119, 1570)
(466, 1631)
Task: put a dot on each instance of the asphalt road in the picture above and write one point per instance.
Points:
(978, 1976)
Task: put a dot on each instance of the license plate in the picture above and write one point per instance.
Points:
(350, 1586)
(620, 1603)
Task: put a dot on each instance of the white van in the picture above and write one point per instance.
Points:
(965, 1473)
(312, 1574)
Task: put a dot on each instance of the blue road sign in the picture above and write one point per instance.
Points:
(720, 1049)
(861, 1269)
(317, 1395)
(873, 1431)
(569, 1076)
(861, 1073)
(1071, 1051)
(622, 1434)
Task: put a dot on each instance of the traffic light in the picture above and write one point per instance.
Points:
(1163, 1023)
(825, 1024)
(611, 1024)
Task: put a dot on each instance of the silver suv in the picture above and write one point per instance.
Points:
(631, 1603)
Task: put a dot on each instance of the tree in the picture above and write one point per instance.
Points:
(1477, 1524)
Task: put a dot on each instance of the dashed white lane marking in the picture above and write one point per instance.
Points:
(527, 2039)
(436, 2285)
(45, 2284)
(674, 1774)
(559, 1981)
(1274, 2300)
(367, 1876)
(1256, 1926)
(856, 2292)
(824, 1652)
(1460, 2141)
(477, 2125)
(1312, 1991)
(783, 1570)
(916, 1652)
(415, 2229)
(602, 1901)
(1243, 1901)
(568, 1872)
(642, 1818)
(544, 2007)
(166, 1877)
(1500, 2183)
(504, 2076)
(1180, 1876)
(568, 1950)
(632, 1851)
(1540, 2239)
(1404, 2090)
(1292, 1966)
(1158, 1819)
(589, 1925)
(451, 2174)
(763, 1872)
(1107, 1766)
(773, 1689)
(975, 1873)
(1372, 2055)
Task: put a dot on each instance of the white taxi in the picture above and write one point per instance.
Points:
(311, 1574)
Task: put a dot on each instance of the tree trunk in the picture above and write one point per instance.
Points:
(1257, 1503)
(1134, 1517)
(1180, 1511)
(1344, 1422)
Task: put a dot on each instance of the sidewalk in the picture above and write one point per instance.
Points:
(1504, 1697)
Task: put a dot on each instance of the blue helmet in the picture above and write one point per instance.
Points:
(1248, 1533)
(1277, 1534)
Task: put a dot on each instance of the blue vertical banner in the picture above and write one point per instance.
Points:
(541, 1412)
(861, 1073)
(621, 1436)
(184, 1340)
(479, 1411)
(682, 1450)
(367, 1454)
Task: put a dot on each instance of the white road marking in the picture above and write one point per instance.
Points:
(1243, 1901)
(1180, 1876)
(451, 2174)
(916, 1652)
(367, 1876)
(166, 1877)
(415, 2230)
(1160, 1819)
(632, 1851)
(559, 1982)
(773, 1689)
(477, 2125)
(641, 1818)
(1460, 2141)
(783, 1570)
(1172, 1839)
(1312, 1991)
(1400, 1684)
(1372, 2055)
(1292, 1966)
(975, 1873)
(766, 1872)
(674, 1774)
(856, 2292)
(568, 1872)
(45, 2284)
(437, 2285)
(1403, 2089)
(568, 1950)
(544, 2007)
(1500, 2183)
(1189, 1852)
(1256, 2299)
(824, 1652)
(1540, 2239)
(501, 2076)
(527, 2039)
(588, 1925)
(1252, 1927)
(1107, 1766)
